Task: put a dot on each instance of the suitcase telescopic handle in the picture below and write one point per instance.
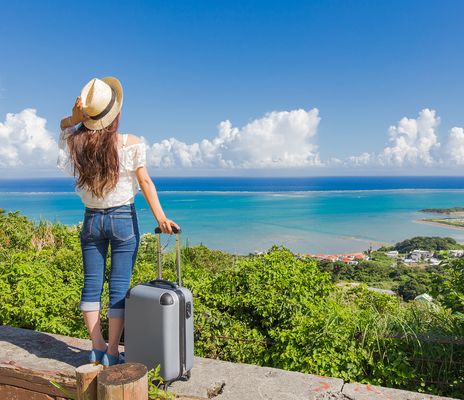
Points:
(160, 271)
(174, 230)
(164, 282)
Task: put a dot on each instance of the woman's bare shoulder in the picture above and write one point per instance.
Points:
(131, 139)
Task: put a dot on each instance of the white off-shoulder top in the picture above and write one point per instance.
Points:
(131, 157)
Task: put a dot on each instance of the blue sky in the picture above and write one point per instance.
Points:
(187, 66)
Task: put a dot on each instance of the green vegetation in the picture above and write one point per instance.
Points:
(155, 384)
(430, 243)
(386, 273)
(449, 210)
(272, 309)
(449, 285)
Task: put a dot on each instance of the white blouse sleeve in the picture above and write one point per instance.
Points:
(137, 156)
(64, 160)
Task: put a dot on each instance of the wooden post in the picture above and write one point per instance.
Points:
(123, 382)
(86, 381)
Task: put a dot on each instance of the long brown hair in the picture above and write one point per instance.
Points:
(95, 159)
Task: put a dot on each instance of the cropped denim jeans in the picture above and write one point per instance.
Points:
(116, 227)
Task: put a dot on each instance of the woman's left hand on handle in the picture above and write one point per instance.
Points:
(166, 226)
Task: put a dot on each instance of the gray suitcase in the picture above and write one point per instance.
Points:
(159, 323)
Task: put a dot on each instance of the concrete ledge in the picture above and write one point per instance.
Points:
(357, 391)
(243, 381)
(29, 360)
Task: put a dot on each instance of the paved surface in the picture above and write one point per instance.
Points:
(60, 355)
(243, 381)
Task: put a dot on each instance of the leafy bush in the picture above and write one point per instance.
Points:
(272, 309)
(449, 286)
(411, 288)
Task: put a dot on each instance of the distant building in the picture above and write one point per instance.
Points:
(357, 256)
(427, 299)
(419, 255)
(456, 253)
(424, 298)
(434, 261)
(393, 253)
(351, 258)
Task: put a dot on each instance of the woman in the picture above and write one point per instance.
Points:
(109, 168)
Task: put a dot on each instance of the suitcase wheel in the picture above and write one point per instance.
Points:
(186, 376)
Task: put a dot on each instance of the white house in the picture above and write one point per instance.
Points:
(418, 255)
(456, 253)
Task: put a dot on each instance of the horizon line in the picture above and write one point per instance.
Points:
(254, 177)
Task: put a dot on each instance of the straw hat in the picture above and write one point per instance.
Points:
(101, 101)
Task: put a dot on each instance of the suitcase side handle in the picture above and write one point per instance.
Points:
(160, 273)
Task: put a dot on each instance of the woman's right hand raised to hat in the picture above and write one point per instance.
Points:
(78, 114)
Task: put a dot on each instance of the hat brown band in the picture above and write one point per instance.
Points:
(107, 108)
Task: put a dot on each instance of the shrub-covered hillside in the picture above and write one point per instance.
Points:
(272, 309)
(434, 243)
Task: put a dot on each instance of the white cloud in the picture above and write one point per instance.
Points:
(413, 142)
(455, 146)
(361, 160)
(171, 153)
(279, 139)
(24, 141)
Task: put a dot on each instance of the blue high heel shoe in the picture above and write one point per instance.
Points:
(95, 356)
(108, 359)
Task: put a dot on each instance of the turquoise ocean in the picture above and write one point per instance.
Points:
(242, 215)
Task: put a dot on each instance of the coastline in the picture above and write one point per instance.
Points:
(440, 224)
(367, 241)
(456, 214)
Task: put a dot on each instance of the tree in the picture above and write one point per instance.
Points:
(433, 243)
(410, 289)
(448, 286)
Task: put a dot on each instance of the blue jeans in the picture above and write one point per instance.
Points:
(116, 227)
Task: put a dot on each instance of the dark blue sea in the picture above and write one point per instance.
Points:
(242, 215)
(241, 184)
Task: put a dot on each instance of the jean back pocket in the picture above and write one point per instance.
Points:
(122, 226)
(86, 230)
